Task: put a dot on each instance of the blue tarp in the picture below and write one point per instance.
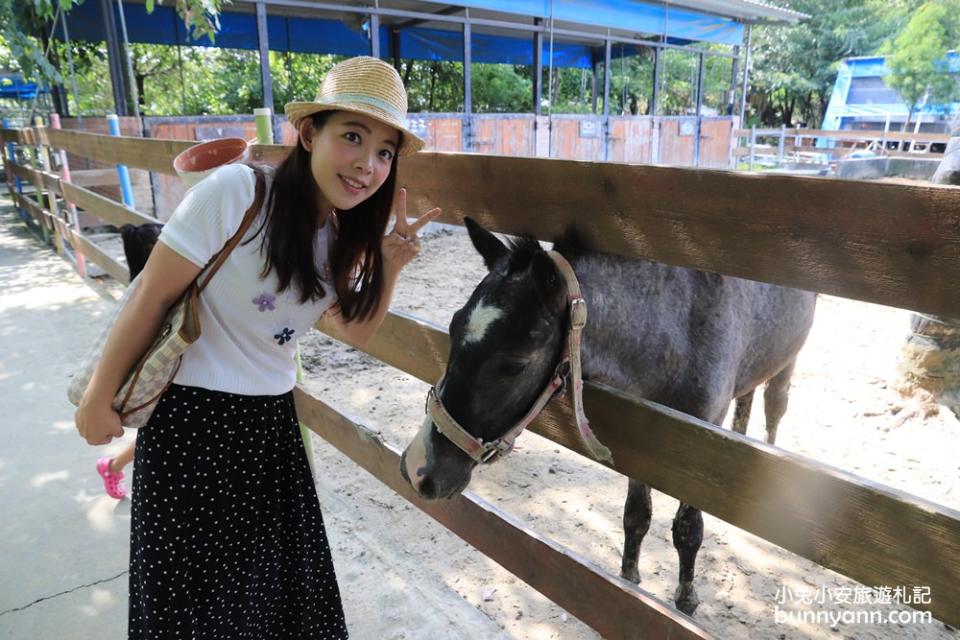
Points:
(629, 15)
(311, 35)
(13, 87)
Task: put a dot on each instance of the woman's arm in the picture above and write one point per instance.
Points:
(361, 332)
(165, 277)
(399, 247)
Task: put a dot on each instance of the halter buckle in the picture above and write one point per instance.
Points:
(578, 314)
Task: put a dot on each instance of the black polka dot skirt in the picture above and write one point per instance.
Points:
(227, 540)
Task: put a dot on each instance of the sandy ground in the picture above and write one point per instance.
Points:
(405, 577)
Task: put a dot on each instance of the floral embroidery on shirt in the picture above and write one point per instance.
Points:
(284, 336)
(265, 302)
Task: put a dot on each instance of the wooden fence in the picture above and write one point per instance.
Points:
(770, 145)
(892, 244)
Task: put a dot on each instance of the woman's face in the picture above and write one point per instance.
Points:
(350, 157)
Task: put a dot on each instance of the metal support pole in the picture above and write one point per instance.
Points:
(375, 35)
(395, 48)
(537, 68)
(263, 39)
(655, 98)
(746, 77)
(594, 91)
(126, 191)
(734, 77)
(115, 58)
(467, 92)
(608, 46)
(699, 127)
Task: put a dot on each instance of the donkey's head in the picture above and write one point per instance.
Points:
(505, 344)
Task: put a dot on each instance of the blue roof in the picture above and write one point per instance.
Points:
(315, 35)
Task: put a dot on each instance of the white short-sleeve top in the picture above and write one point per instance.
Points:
(248, 329)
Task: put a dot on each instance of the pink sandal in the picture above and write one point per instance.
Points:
(111, 480)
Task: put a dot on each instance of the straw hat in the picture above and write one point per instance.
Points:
(362, 85)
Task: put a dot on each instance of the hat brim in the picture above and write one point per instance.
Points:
(297, 111)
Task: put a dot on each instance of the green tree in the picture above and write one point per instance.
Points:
(25, 27)
(917, 57)
(794, 68)
(501, 88)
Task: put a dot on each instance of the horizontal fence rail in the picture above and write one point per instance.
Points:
(893, 244)
(888, 243)
(144, 153)
(846, 135)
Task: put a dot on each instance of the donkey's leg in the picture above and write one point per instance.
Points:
(636, 522)
(775, 400)
(687, 538)
(741, 414)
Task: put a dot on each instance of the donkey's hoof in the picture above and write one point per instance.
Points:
(631, 574)
(686, 598)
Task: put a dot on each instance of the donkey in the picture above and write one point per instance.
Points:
(684, 338)
(138, 242)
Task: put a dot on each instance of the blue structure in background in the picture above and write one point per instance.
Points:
(318, 35)
(13, 87)
(536, 33)
(861, 100)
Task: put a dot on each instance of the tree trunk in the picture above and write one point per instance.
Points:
(788, 111)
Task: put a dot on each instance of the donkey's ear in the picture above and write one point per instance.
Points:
(548, 279)
(487, 244)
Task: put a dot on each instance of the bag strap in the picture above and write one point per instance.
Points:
(217, 260)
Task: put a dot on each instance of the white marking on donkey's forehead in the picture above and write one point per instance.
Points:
(481, 318)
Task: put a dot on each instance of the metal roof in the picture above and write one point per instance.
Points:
(744, 10)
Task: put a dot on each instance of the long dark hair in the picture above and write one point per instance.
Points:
(291, 225)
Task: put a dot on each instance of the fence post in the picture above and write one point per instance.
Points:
(46, 166)
(12, 157)
(264, 122)
(753, 146)
(783, 136)
(73, 220)
(126, 192)
(37, 163)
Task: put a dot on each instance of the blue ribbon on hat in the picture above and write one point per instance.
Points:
(362, 99)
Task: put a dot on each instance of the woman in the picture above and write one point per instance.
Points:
(227, 538)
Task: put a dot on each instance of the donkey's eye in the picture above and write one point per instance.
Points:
(512, 368)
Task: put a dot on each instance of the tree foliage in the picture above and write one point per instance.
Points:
(917, 57)
(795, 67)
(26, 26)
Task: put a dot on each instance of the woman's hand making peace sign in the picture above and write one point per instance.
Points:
(402, 245)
